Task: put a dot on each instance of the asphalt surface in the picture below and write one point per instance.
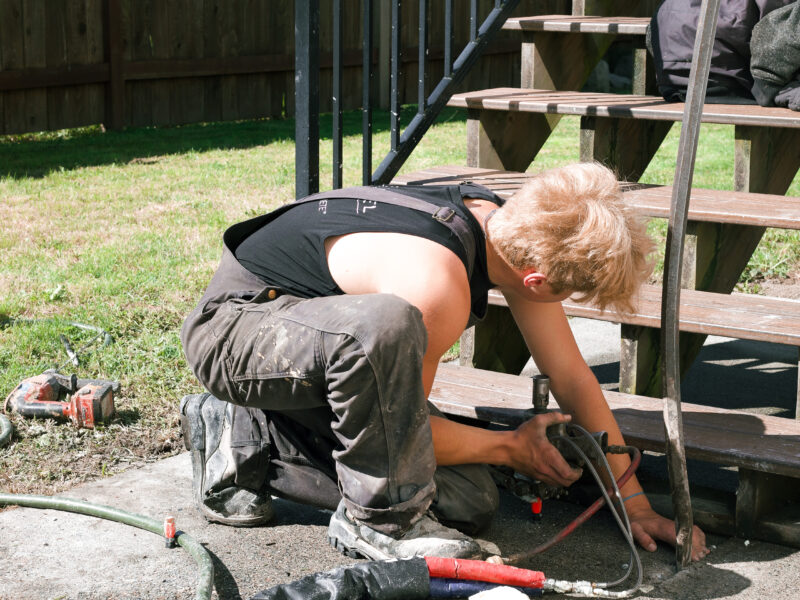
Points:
(46, 554)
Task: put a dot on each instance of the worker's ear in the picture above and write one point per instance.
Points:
(533, 279)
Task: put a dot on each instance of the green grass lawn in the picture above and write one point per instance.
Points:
(122, 230)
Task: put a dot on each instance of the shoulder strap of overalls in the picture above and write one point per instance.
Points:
(445, 215)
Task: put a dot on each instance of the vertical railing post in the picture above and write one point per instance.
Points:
(473, 20)
(422, 55)
(366, 104)
(306, 81)
(394, 110)
(430, 105)
(448, 38)
(336, 117)
(670, 302)
(403, 145)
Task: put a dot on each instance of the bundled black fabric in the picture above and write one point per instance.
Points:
(775, 63)
(671, 35)
(375, 580)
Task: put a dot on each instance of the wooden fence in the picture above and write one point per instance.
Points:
(70, 63)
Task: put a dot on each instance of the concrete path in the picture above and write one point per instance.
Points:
(53, 555)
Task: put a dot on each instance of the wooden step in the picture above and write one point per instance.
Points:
(740, 316)
(592, 104)
(754, 441)
(763, 448)
(741, 208)
(580, 24)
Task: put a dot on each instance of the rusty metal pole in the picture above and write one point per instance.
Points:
(673, 262)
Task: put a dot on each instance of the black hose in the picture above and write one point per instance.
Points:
(206, 575)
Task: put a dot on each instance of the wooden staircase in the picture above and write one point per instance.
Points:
(507, 127)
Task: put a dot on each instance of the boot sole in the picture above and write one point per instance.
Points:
(213, 517)
(349, 543)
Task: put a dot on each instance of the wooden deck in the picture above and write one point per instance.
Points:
(763, 448)
(715, 206)
(740, 316)
(736, 438)
(579, 24)
(591, 104)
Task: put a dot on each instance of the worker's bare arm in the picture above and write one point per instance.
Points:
(549, 338)
(552, 345)
(525, 449)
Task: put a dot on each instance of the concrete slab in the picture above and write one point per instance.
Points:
(53, 555)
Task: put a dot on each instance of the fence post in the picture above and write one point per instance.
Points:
(115, 90)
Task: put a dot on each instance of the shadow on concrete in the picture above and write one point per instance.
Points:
(224, 582)
(293, 513)
(745, 375)
(733, 374)
(717, 583)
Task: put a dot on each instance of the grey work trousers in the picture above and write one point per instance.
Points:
(340, 381)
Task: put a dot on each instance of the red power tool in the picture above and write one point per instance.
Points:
(88, 401)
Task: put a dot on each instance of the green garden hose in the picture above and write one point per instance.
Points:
(188, 543)
(5, 430)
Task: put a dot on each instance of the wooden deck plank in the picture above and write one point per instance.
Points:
(741, 316)
(579, 24)
(763, 443)
(715, 206)
(594, 104)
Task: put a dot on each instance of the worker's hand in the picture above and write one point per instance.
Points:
(648, 526)
(536, 457)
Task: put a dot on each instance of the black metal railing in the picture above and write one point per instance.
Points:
(402, 143)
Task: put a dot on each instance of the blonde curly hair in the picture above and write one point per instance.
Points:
(571, 224)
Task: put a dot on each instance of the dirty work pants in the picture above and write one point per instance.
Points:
(339, 379)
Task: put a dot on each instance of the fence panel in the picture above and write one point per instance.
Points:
(166, 62)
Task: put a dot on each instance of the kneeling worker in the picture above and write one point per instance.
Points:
(319, 336)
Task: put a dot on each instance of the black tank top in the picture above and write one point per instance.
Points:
(289, 251)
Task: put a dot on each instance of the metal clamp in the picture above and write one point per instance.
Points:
(444, 214)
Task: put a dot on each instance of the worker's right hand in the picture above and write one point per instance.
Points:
(533, 455)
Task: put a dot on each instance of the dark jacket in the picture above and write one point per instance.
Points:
(671, 41)
(775, 62)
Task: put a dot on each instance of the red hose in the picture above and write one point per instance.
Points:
(636, 458)
(478, 570)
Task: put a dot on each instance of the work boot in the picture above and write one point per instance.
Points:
(427, 537)
(207, 424)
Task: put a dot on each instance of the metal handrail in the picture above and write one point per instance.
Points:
(402, 143)
(673, 264)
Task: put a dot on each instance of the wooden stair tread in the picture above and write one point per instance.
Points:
(741, 316)
(619, 106)
(760, 442)
(579, 24)
(716, 206)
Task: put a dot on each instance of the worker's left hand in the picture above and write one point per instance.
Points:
(648, 526)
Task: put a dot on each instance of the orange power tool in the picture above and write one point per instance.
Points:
(56, 396)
